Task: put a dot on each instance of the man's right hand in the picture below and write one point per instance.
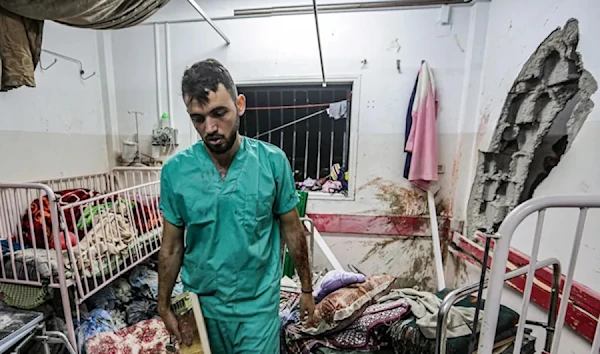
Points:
(172, 325)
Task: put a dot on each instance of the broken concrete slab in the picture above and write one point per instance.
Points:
(551, 78)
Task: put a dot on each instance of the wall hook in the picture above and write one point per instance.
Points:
(49, 66)
(81, 71)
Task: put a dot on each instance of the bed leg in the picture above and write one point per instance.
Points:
(64, 294)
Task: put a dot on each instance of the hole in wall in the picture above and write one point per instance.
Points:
(551, 149)
(544, 110)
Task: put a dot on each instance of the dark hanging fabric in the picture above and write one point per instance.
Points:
(408, 127)
(22, 23)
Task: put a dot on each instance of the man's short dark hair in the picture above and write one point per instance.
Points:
(205, 76)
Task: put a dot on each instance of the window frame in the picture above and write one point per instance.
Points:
(355, 81)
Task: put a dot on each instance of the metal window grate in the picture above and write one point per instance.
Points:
(312, 145)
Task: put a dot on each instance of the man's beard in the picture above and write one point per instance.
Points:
(221, 148)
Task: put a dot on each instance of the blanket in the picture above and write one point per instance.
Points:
(110, 235)
(22, 23)
(36, 260)
(39, 224)
(148, 336)
(425, 307)
(145, 217)
(407, 337)
(367, 333)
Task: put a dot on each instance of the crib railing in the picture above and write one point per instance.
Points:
(14, 227)
(125, 177)
(116, 231)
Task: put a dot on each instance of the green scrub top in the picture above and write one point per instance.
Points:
(232, 256)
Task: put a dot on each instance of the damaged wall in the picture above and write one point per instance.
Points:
(515, 31)
(510, 169)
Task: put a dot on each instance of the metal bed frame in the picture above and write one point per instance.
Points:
(498, 269)
(128, 182)
(456, 295)
(118, 183)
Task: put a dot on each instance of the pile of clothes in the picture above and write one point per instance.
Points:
(126, 302)
(335, 182)
(355, 313)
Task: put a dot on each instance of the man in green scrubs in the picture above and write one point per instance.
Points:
(227, 201)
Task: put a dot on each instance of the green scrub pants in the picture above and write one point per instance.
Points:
(253, 337)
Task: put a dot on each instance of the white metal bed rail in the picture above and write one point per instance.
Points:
(456, 295)
(100, 182)
(500, 258)
(13, 195)
(116, 231)
(125, 177)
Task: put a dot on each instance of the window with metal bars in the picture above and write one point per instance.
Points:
(288, 116)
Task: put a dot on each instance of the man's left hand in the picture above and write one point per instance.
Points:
(307, 310)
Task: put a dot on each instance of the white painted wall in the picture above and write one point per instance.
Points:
(516, 28)
(56, 129)
(284, 47)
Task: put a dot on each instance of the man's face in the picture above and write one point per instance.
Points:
(218, 121)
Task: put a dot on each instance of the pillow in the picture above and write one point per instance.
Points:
(335, 280)
(340, 308)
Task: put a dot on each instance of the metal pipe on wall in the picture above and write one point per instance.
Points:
(210, 22)
(157, 68)
(323, 8)
(319, 44)
(356, 6)
(169, 76)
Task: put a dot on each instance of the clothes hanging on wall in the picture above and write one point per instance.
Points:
(20, 49)
(408, 127)
(422, 139)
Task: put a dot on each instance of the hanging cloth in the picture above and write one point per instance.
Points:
(422, 139)
(408, 127)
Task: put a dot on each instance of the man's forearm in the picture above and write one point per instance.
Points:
(296, 243)
(168, 269)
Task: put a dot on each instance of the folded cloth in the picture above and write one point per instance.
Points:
(334, 280)
(407, 336)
